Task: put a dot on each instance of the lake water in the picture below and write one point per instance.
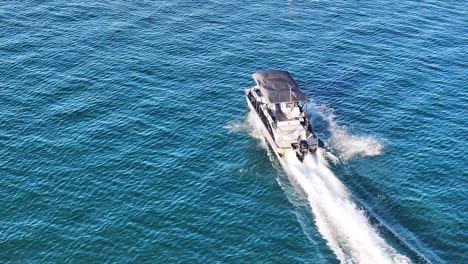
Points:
(125, 136)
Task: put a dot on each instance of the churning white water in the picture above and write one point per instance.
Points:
(346, 144)
(251, 127)
(339, 220)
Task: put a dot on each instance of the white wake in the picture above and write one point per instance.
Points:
(250, 127)
(343, 141)
(339, 220)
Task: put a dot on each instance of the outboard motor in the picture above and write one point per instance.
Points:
(301, 148)
(313, 142)
(312, 148)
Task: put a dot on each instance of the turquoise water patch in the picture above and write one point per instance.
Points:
(123, 128)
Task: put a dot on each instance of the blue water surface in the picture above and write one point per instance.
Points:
(116, 138)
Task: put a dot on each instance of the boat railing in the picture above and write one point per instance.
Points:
(268, 122)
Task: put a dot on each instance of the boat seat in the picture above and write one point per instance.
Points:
(295, 112)
(281, 116)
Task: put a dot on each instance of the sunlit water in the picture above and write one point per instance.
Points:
(124, 133)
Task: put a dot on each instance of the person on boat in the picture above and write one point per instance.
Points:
(295, 111)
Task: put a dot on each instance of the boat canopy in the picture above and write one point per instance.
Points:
(278, 86)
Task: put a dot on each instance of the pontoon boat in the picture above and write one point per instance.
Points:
(279, 107)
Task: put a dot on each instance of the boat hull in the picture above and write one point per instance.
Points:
(258, 122)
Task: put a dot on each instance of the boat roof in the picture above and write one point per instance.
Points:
(278, 86)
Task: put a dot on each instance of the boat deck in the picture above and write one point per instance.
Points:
(281, 116)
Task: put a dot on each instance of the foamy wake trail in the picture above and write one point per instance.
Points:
(344, 142)
(250, 127)
(339, 220)
(344, 225)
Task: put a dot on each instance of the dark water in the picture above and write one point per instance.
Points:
(122, 132)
